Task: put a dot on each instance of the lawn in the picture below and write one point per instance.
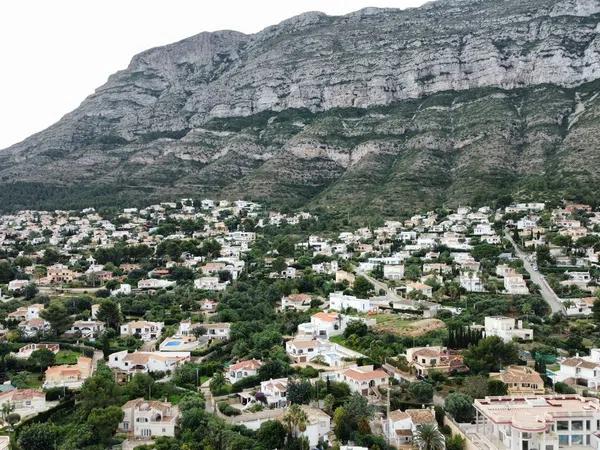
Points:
(27, 380)
(66, 357)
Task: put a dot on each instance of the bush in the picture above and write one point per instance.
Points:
(455, 442)
(228, 410)
(562, 388)
(245, 383)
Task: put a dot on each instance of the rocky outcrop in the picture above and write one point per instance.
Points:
(190, 114)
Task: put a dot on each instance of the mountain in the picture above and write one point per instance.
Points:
(373, 112)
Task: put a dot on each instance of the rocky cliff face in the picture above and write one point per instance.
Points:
(320, 107)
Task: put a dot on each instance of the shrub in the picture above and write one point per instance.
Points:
(228, 410)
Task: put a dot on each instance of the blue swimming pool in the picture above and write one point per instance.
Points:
(173, 344)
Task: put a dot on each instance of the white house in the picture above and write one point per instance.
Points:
(17, 285)
(155, 283)
(507, 328)
(26, 402)
(145, 330)
(275, 392)
(305, 349)
(26, 351)
(145, 362)
(471, 282)
(324, 325)
(210, 284)
(146, 419)
(34, 327)
(361, 379)
(242, 369)
(400, 426)
(338, 301)
(87, 328)
(515, 284)
(393, 272)
(583, 371)
(318, 425)
(26, 312)
(124, 289)
(538, 421)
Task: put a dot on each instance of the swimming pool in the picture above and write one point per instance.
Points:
(173, 344)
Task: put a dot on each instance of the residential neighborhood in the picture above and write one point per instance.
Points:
(479, 324)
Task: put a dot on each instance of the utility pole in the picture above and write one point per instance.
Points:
(387, 410)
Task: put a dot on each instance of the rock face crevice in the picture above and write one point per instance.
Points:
(192, 114)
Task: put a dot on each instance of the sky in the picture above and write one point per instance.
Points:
(55, 53)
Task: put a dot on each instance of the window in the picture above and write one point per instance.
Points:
(577, 439)
(588, 425)
(549, 447)
(562, 425)
(577, 425)
(563, 440)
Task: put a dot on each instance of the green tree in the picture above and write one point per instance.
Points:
(429, 437)
(460, 406)
(362, 287)
(12, 419)
(271, 434)
(476, 386)
(110, 314)
(38, 436)
(341, 426)
(218, 384)
(104, 422)
(100, 390)
(596, 310)
(42, 359)
(422, 391)
(496, 387)
(295, 420)
(490, 355)
(299, 391)
(7, 273)
(30, 291)
(140, 385)
(356, 328)
(56, 314)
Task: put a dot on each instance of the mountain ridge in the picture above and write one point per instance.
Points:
(189, 115)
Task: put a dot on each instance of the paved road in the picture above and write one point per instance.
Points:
(379, 285)
(547, 293)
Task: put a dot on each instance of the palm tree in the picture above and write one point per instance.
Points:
(6, 409)
(295, 420)
(429, 437)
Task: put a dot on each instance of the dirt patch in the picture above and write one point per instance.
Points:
(410, 328)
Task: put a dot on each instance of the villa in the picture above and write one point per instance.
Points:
(146, 331)
(26, 351)
(146, 419)
(520, 380)
(242, 369)
(538, 422)
(423, 360)
(69, 376)
(146, 362)
(400, 426)
(275, 392)
(507, 328)
(361, 379)
(26, 402)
